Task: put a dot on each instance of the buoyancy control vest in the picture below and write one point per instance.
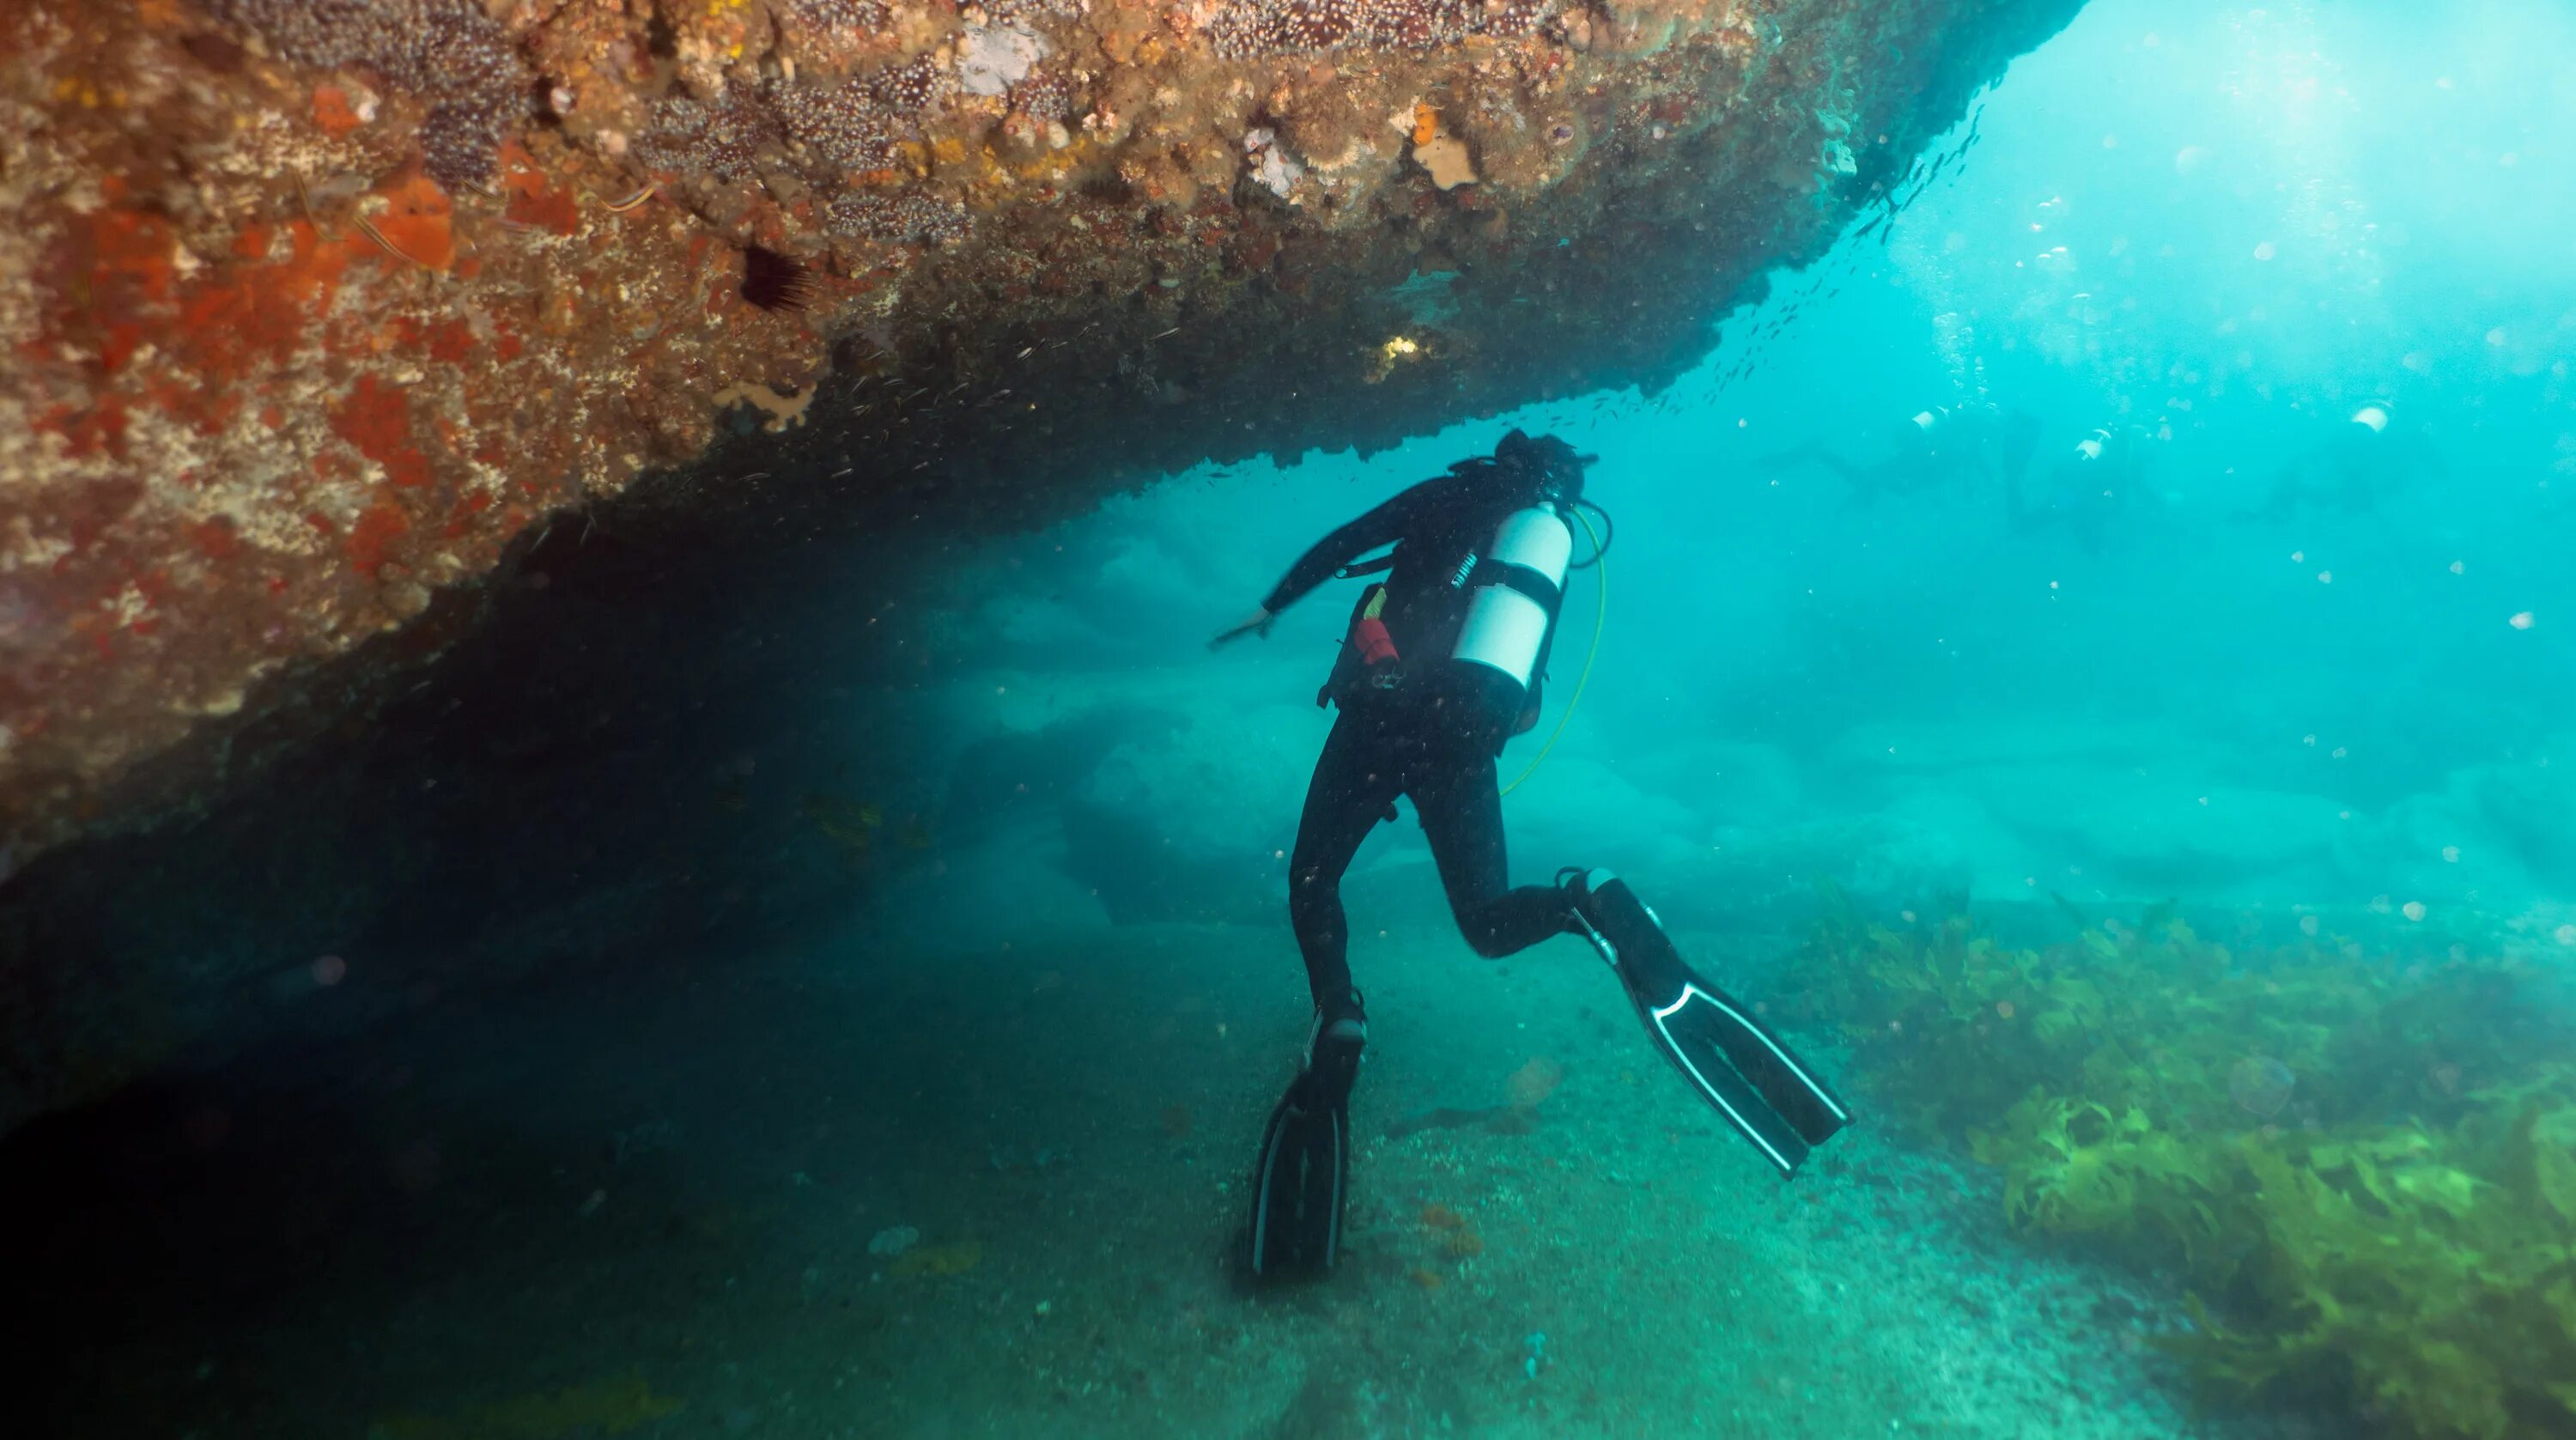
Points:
(1469, 628)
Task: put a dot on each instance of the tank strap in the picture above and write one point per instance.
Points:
(1527, 581)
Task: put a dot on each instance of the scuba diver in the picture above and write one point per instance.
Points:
(2369, 458)
(1441, 666)
(1976, 445)
(2087, 487)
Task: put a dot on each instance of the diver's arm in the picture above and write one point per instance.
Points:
(1258, 622)
(1382, 526)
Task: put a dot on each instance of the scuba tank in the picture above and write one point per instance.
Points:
(1475, 615)
(1512, 599)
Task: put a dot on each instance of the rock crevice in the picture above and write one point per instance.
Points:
(314, 310)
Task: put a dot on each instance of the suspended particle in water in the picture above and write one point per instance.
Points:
(2459, 568)
(2260, 1086)
(2564, 934)
(2412, 909)
(2264, 251)
(2451, 854)
(2308, 926)
(330, 970)
(2520, 620)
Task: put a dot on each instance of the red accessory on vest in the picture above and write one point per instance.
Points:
(1376, 646)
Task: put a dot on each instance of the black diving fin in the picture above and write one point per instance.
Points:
(1731, 1059)
(1302, 1178)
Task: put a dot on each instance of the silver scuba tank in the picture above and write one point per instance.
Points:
(1514, 594)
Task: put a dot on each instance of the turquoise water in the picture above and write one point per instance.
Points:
(961, 1152)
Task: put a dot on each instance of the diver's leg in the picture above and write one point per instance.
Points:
(2291, 490)
(1902, 474)
(1462, 817)
(1864, 480)
(1354, 785)
(1790, 458)
(1852, 472)
(1720, 1045)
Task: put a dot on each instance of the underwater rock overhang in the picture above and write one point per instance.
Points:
(311, 310)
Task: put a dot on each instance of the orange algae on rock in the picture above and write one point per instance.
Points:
(533, 202)
(333, 111)
(120, 280)
(255, 311)
(376, 418)
(416, 220)
(375, 530)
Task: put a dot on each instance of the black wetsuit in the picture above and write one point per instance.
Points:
(1975, 446)
(2088, 488)
(1411, 739)
(2351, 473)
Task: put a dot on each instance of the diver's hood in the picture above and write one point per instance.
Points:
(1554, 466)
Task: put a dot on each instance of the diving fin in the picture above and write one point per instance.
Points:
(1731, 1059)
(1302, 1178)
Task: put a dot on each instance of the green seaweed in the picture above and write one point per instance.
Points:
(2397, 1227)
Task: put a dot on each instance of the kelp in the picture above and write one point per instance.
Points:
(2365, 1168)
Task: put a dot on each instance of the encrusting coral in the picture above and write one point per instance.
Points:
(326, 307)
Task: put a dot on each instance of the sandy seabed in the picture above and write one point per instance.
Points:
(661, 1205)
